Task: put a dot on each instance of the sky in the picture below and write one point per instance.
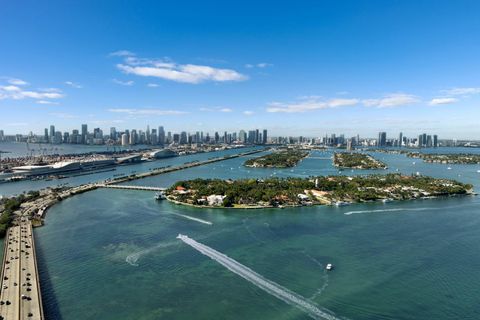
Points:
(295, 68)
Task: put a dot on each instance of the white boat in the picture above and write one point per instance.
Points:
(160, 196)
(341, 203)
(329, 267)
(449, 168)
(387, 200)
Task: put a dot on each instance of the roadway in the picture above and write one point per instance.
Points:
(20, 296)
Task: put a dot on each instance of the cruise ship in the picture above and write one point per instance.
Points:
(162, 153)
(63, 167)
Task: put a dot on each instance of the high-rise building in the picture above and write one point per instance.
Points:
(147, 135)
(125, 139)
(382, 139)
(84, 133)
(2, 136)
(52, 132)
(264, 136)
(113, 133)
(161, 136)
(435, 141)
(242, 136)
(133, 137)
(400, 139)
(183, 138)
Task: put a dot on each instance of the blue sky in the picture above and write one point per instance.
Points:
(298, 68)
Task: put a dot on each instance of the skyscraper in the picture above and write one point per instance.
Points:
(84, 133)
(400, 139)
(435, 141)
(125, 139)
(382, 139)
(161, 136)
(52, 132)
(264, 136)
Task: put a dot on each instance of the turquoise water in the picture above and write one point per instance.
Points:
(113, 254)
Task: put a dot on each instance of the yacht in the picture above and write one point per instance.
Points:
(329, 267)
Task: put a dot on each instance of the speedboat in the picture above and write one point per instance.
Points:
(449, 168)
(341, 203)
(329, 267)
(160, 196)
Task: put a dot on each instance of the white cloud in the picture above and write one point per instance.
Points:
(168, 70)
(16, 93)
(391, 100)
(152, 85)
(248, 112)
(41, 95)
(461, 91)
(46, 102)
(10, 88)
(333, 103)
(121, 53)
(73, 84)
(258, 65)
(445, 100)
(216, 109)
(123, 83)
(310, 104)
(17, 82)
(146, 112)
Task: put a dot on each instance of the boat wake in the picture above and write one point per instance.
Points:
(258, 280)
(132, 259)
(387, 210)
(192, 218)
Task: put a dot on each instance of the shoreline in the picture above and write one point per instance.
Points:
(332, 204)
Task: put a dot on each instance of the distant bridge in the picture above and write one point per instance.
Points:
(117, 186)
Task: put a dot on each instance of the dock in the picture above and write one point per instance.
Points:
(20, 296)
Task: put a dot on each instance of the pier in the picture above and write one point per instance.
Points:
(20, 296)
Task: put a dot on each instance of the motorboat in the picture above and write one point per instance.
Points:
(329, 267)
(160, 196)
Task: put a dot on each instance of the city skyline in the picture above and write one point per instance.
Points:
(344, 74)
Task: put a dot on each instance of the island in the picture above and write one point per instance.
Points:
(450, 158)
(278, 159)
(330, 190)
(355, 160)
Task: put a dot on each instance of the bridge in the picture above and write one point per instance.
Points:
(116, 186)
(20, 296)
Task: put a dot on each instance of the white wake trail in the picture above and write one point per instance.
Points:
(387, 210)
(192, 218)
(132, 259)
(269, 286)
